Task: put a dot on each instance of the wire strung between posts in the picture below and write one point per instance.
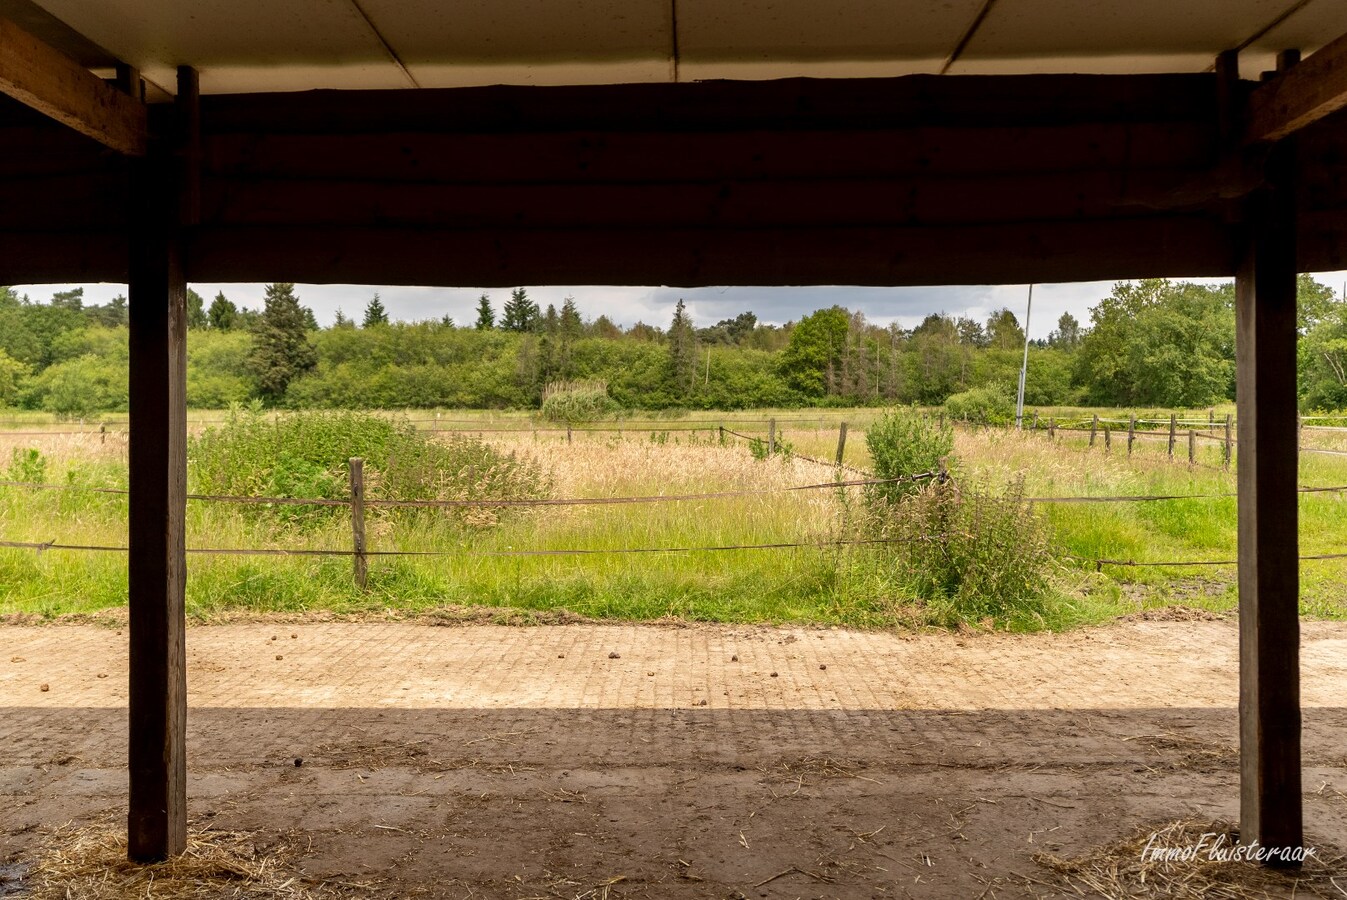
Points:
(42, 546)
(816, 461)
(1100, 563)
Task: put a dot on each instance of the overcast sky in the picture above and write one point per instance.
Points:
(654, 305)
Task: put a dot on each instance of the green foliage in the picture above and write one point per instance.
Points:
(27, 465)
(281, 349)
(375, 314)
(905, 442)
(223, 315)
(576, 402)
(80, 387)
(682, 351)
(196, 310)
(12, 375)
(486, 316)
(983, 405)
(974, 558)
(1160, 343)
(815, 350)
(520, 313)
(306, 455)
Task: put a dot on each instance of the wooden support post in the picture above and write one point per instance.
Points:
(1173, 432)
(1269, 576)
(568, 432)
(157, 453)
(1052, 428)
(1131, 432)
(841, 441)
(1034, 426)
(1211, 420)
(1192, 447)
(771, 436)
(1094, 429)
(1227, 454)
(1108, 440)
(942, 420)
(357, 466)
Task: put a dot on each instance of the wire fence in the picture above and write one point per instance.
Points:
(770, 444)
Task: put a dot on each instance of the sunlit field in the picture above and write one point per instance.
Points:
(673, 455)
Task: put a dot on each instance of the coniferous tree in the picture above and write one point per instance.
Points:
(520, 313)
(682, 350)
(341, 321)
(375, 314)
(281, 349)
(223, 314)
(486, 316)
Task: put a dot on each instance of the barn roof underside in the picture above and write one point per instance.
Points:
(685, 142)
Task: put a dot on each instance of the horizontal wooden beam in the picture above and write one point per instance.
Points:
(1300, 96)
(663, 155)
(44, 79)
(792, 104)
(499, 257)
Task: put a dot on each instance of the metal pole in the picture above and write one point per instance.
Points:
(1024, 366)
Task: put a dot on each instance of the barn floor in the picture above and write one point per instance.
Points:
(664, 761)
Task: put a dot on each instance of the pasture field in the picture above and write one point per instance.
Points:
(853, 585)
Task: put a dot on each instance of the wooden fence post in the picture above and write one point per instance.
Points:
(1192, 446)
(942, 420)
(841, 441)
(1211, 420)
(1131, 432)
(1229, 424)
(1094, 428)
(1034, 427)
(771, 436)
(1108, 441)
(1173, 430)
(358, 520)
(568, 432)
(1052, 428)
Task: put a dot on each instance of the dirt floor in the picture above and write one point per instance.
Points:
(664, 761)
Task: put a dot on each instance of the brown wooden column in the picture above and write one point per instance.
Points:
(1269, 626)
(157, 819)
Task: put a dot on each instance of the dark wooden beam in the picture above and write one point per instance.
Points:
(500, 257)
(57, 86)
(1300, 95)
(1269, 588)
(157, 818)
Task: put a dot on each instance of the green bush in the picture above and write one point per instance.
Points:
(576, 402)
(306, 454)
(905, 442)
(984, 405)
(28, 466)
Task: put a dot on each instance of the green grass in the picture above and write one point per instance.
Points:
(856, 587)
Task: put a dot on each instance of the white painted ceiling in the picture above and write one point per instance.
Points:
(278, 45)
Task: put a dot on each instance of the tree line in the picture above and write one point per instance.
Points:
(1148, 343)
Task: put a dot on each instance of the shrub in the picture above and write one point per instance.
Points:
(28, 466)
(577, 401)
(971, 556)
(905, 442)
(984, 405)
(306, 455)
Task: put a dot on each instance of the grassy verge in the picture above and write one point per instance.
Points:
(851, 586)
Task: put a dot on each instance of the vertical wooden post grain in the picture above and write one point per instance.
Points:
(841, 441)
(357, 466)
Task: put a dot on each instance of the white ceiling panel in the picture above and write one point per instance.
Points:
(264, 44)
(1023, 36)
(468, 32)
(786, 31)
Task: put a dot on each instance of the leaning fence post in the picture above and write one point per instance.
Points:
(1131, 432)
(1229, 424)
(841, 441)
(358, 520)
(771, 436)
(1094, 428)
(1173, 429)
(1192, 446)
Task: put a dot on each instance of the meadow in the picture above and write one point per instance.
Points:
(836, 583)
